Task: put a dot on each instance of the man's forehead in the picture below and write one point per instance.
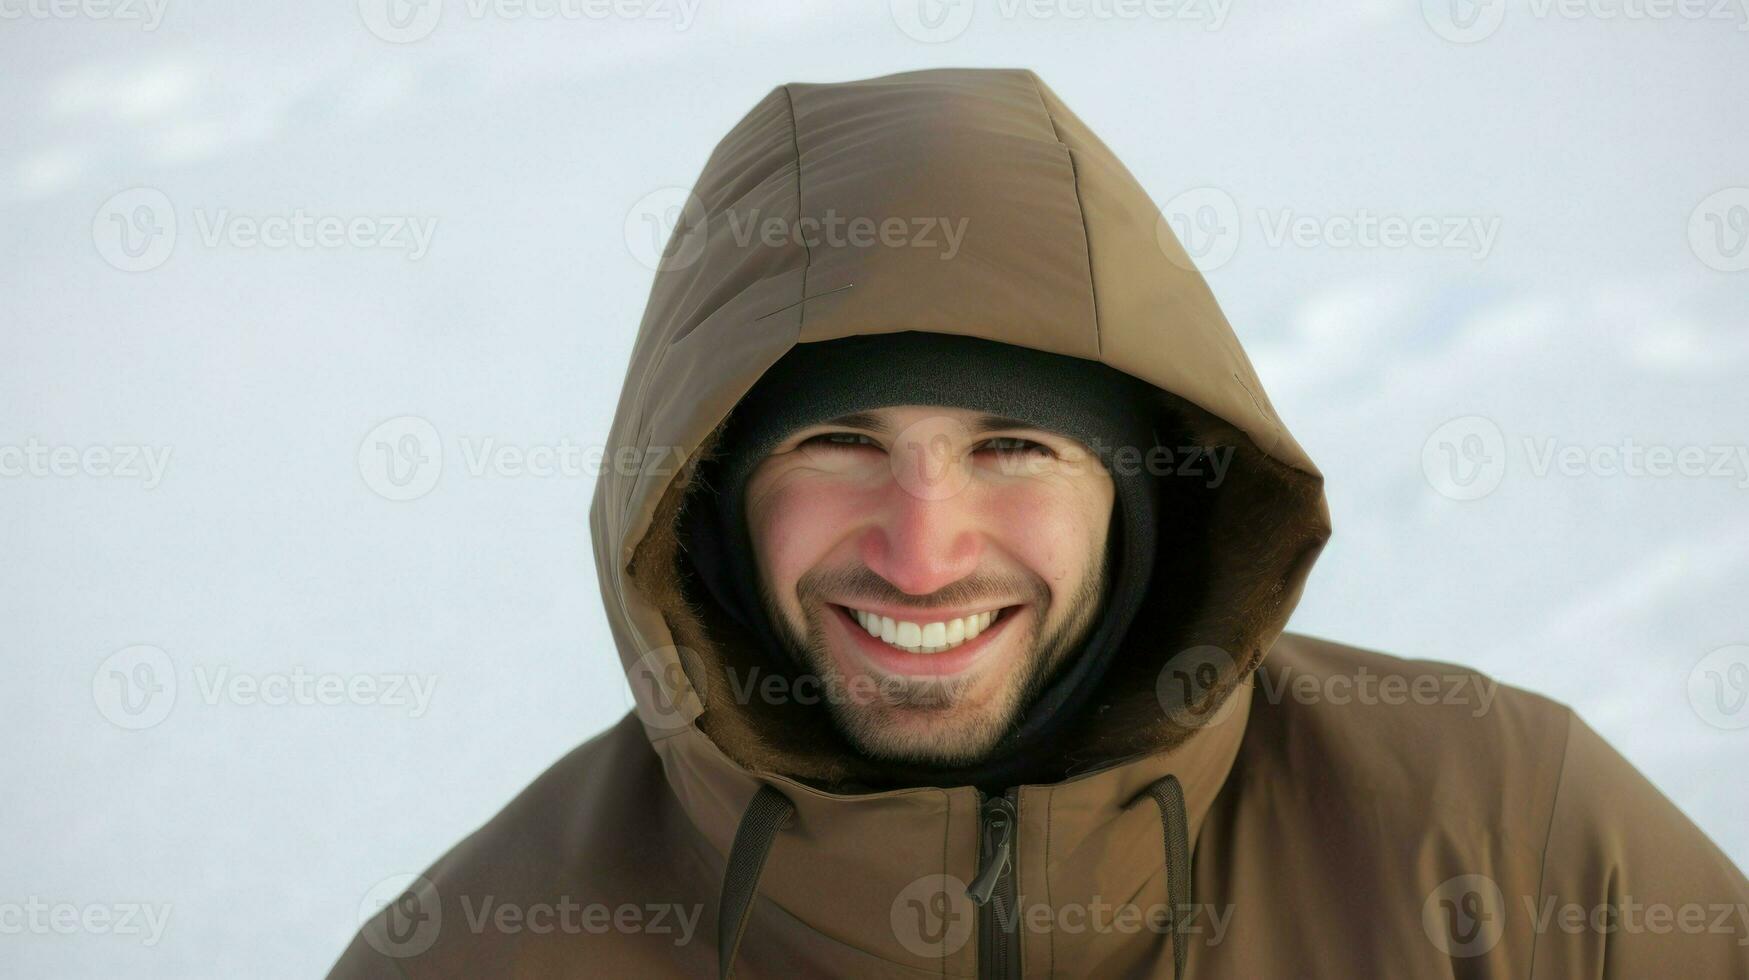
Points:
(884, 421)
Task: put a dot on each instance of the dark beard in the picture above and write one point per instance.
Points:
(1041, 658)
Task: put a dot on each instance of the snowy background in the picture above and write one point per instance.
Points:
(243, 685)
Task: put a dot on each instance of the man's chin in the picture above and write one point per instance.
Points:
(943, 720)
(944, 736)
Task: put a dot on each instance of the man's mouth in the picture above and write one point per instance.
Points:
(924, 636)
(929, 644)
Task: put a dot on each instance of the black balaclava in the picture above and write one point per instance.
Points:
(1105, 409)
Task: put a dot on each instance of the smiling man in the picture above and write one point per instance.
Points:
(959, 644)
(943, 568)
(956, 619)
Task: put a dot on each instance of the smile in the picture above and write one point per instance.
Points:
(924, 637)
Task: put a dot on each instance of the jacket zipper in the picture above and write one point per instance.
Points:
(993, 890)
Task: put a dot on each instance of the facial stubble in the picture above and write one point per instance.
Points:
(957, 732)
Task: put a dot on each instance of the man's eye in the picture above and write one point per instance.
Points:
(839, 440)
(1009, 445)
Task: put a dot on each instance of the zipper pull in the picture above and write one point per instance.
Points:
(999, 820)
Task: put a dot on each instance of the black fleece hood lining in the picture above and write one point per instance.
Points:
(1227, 557)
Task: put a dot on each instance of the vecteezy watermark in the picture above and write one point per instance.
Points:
(37, 459)
(1466, 458)
(1202, 228)
(222, 685)
(1454, 687)
(1470, 234)
(1190, 681)
(1469, 21)
(777, 687)
(136, 230)
(148, 13)
(40, 917)
(1466, 915)
(572, 917)
(136, 687)
(937, 456)
(660, 687)
(407, 21)
(1188, 687)
(403, 459)
(932, 21)
(410, 234)
(1718, 229)
(1199, 228)
(933, 917)
(1718, 687)
(940, 233)
(402, 916)
(668, 228)
(936, 21)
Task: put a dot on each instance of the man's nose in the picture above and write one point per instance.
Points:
(921, 544)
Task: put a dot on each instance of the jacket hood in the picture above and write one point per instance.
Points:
(957, 201)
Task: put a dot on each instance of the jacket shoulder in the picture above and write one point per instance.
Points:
(1345, 726)
(1495, 789)
(1411, 719)
(1630, 886)
(581, 863)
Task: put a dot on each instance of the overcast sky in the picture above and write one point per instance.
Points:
(1489, 261)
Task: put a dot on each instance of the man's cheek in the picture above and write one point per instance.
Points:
(1033, 524)
(806, 531)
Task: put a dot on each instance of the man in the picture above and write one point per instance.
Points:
(958, 644)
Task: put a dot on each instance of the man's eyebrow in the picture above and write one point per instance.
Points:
(870, 422)
(867, 421)
(993, 423)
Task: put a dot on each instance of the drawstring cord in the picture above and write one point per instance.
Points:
(1167, 792)
(760, 822)
(770, 810)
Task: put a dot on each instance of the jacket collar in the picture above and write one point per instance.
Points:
(886, 872)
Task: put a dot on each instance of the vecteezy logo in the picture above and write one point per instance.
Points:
(932, 917)
(402, 458)
(1718, 230)
(1465, 459)
(135, 687)
(1718, 688)
(659, 682)
(1464, 916)
(135, 230)
(923, 460)
(1199, 229)
(1189, 681)
(1464, 21)
(401, 915)
(932, 21)
(401, 21)
(666, 229)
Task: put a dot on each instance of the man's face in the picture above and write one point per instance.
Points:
(971, 548)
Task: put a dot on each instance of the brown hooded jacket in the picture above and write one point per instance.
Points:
(1242, 802)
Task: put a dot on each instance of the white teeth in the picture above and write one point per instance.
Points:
(925, 637)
